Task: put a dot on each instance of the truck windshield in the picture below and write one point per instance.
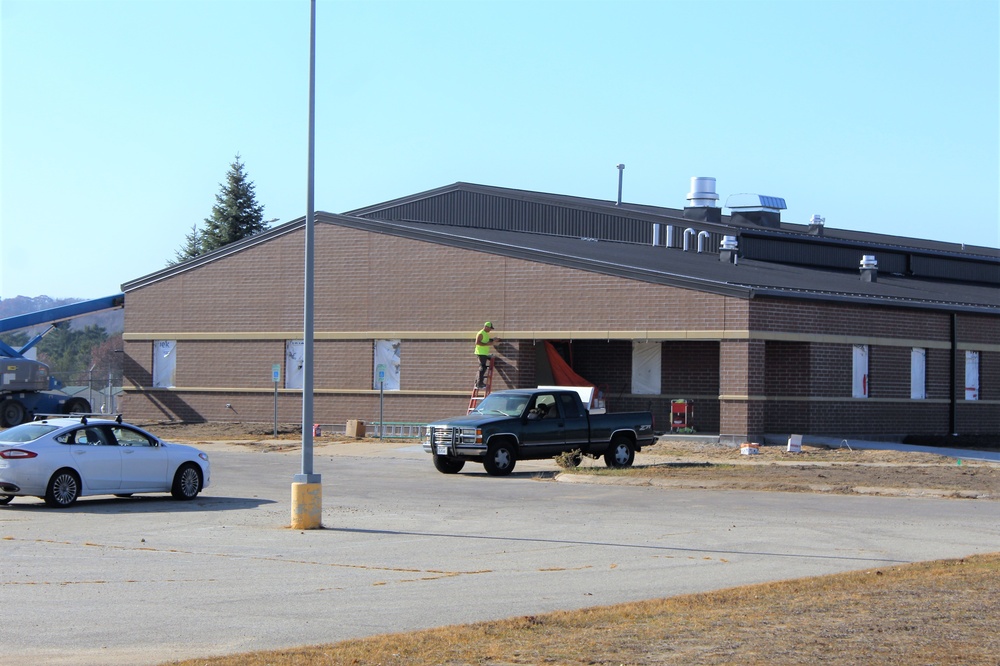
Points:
(508, 405)
(27, 432)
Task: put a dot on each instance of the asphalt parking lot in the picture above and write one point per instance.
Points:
(147, 580)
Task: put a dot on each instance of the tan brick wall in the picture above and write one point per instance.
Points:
(374, 284)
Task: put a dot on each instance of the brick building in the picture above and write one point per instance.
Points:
(766, 327)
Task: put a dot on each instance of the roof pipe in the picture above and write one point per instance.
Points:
(702, 241)
(621, 170)
(689, 233)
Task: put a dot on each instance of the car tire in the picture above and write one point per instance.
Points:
(12, 413)
(187, 482)
(621, 453)
(447, 465)
(500, 459)
(63, 489)
(76, 406)
(5, 499)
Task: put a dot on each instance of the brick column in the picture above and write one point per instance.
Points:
(741, 391)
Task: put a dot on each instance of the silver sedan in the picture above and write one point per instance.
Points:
(62, 459)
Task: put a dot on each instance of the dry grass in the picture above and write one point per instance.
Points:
(927, 613)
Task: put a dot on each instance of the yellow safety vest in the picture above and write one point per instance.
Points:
(483, 350)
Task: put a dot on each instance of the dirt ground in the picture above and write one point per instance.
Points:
(695, 463)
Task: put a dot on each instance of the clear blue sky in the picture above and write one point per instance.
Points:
(120, 119)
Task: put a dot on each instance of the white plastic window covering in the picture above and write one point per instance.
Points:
(295, 354)
(859, 388)
(918, 374)
(387, 355)
(972, 375)
(164, 363)
(646, 360)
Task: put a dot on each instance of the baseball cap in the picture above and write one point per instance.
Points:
(488, 324)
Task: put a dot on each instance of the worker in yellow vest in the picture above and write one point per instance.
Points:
(483, 343)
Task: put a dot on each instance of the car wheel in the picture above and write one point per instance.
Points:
(447, 465)
(187, 482)
(621, 454)
(76, 406)
(5, 499)
(500, 459)
(63, 489)
(12, 413)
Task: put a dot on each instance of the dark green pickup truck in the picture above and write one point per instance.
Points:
(532, 424)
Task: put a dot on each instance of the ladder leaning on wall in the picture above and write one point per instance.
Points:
(479, 393)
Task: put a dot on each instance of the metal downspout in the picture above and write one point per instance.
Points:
(952, 397)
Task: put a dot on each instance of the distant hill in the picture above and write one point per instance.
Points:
(112, 321)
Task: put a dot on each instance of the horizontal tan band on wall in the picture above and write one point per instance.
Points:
(631, 396)
(534, 336)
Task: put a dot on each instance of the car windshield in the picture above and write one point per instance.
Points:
(27, 432)
(508, 405)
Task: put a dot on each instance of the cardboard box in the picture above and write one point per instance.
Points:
(356, 429)
(795, 444)
(749, 448)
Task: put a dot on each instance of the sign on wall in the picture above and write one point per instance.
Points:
(386, 365)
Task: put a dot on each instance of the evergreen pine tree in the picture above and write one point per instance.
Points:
(191, 249)
(236, 213)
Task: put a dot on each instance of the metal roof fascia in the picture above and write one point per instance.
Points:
(875, 300)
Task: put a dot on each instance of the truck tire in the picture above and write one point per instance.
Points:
(76, 406)
(500, 459)
(621, 453)
(12, 413)
(447, 465)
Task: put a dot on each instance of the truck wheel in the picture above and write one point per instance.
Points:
(621, 454)
(76, 406)
(447, 465)
(500, 459)
(11, 413)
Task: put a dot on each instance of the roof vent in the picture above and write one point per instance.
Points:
(816, 223)
(702, 200)
(727, 249)
(756, 209)
(869, 268)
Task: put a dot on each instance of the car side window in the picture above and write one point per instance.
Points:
(569, 406)
(129, 437)
(89, 436)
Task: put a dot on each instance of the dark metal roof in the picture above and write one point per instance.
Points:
(480, 206)
(691, 270)
(602, 237)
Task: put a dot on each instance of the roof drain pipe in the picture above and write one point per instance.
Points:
(689, 233)
(702, 241)
(670, 235)
(657, 235)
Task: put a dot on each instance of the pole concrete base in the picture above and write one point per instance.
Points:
(307, 506)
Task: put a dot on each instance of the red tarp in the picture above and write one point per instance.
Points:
(562, 374)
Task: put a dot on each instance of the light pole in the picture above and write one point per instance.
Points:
(307, 489)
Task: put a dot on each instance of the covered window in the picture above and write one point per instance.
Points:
(646, 367)
(295, 358)
(164, 363)
(859, 384)
(918, 373)
(386, 366)
(972, 375)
